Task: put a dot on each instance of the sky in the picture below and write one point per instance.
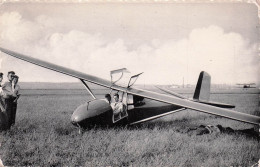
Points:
(169, 42)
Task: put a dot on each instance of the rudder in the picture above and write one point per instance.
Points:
(202, 91)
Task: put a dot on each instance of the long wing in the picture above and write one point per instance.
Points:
(60, 69)
(144, 93)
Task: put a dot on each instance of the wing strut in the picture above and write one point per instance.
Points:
(88, 89)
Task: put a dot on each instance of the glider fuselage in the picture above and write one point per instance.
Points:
(99, 112)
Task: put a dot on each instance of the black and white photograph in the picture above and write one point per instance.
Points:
(140, 83)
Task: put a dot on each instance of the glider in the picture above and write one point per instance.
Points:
(140, 105)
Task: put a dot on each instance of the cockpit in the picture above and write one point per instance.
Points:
(122, 77)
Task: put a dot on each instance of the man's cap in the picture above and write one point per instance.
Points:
(11, 72)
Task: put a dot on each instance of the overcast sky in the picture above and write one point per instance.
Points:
(168, 42)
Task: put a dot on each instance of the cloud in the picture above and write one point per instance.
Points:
(226, 56)
(15, 29)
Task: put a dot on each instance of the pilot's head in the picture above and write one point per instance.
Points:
(10, 75)
(108, 98)
(116, 97)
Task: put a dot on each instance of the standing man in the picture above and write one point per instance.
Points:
(8, 96)
(3, 115)
(16, 95)
(1, 100)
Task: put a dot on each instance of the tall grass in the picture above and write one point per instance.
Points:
(43, 136)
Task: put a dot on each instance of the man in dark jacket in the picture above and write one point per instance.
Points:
(3, 115)
(8, 96)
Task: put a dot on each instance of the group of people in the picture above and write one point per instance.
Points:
(117, 106)
(9, 94)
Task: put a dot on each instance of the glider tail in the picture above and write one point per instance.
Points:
(202, 92)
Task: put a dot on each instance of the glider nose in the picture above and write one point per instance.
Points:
(79, 114)
(97, 111)
(75, 120)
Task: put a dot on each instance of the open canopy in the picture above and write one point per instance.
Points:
(122, 77)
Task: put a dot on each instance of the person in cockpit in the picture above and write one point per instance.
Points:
(117, 106)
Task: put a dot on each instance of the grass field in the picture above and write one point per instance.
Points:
(43, 136)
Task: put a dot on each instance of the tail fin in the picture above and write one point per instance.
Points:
(202, 91)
